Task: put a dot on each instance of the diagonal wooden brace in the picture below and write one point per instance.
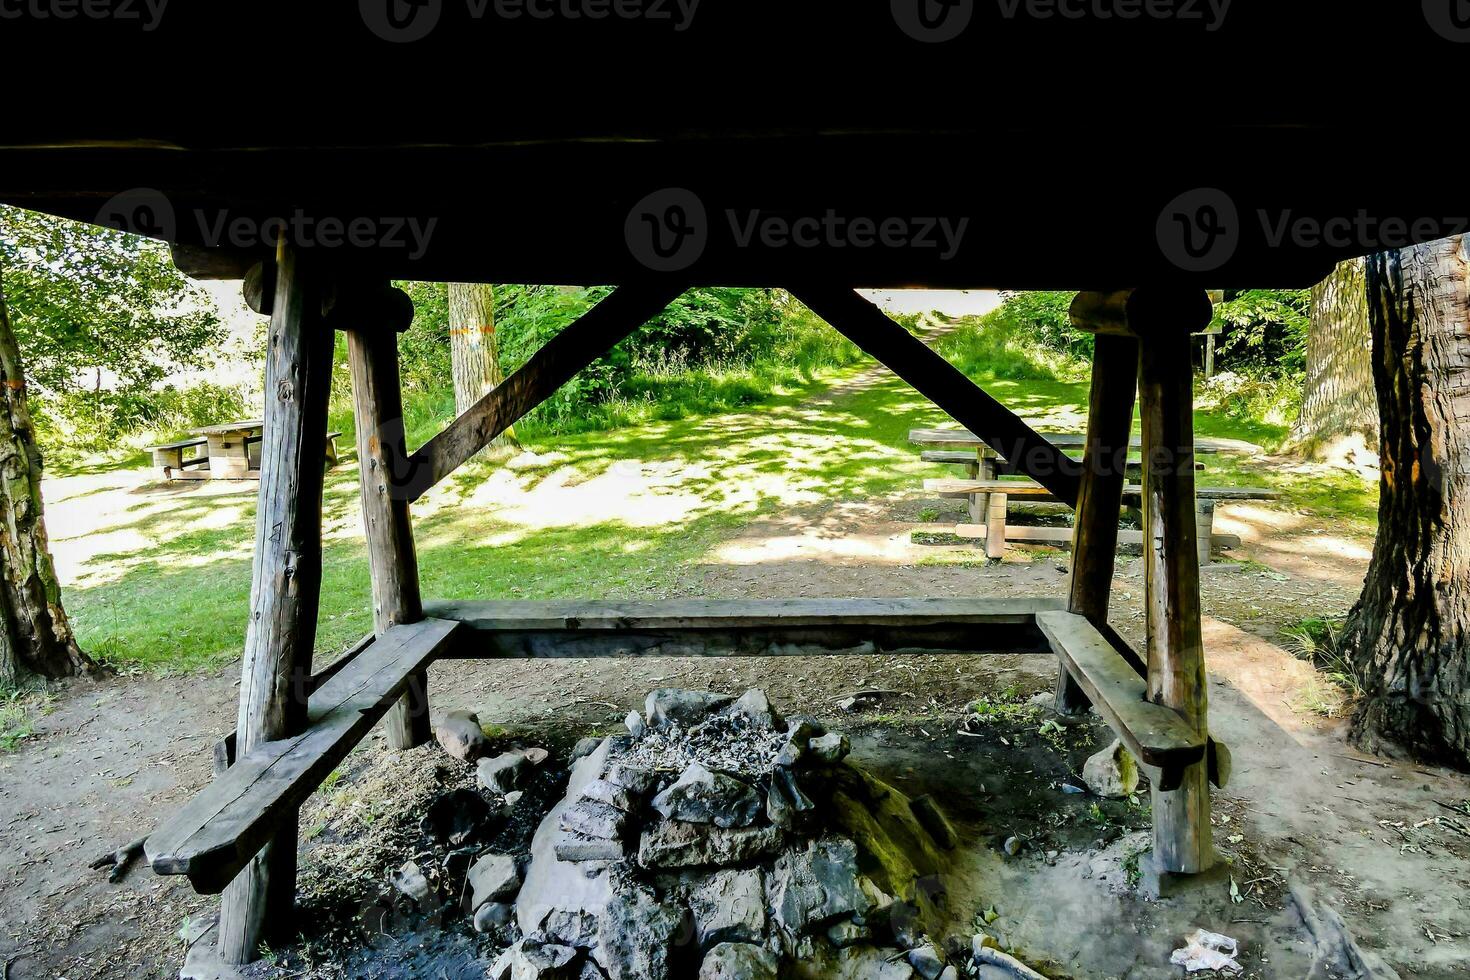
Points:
(946, 386)
(595, 333)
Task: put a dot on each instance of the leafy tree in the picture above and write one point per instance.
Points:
(88, 310)
(101, 317)
(1408, 637)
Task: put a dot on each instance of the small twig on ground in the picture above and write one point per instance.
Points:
(120, 861)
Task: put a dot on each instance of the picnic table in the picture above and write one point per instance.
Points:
(228, 451)
(989, 493)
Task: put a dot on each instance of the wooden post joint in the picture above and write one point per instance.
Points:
(348, 302)
(1142, 313)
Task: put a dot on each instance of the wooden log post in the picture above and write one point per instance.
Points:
(392, 562)
(286, 584)
(1104, 473)
(1183, 841)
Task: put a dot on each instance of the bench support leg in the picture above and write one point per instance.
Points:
(392, 562)
(995, 526)
(983, 469)
(1204, 529)
(1104, 473)
(286, 585)
(1183, 842)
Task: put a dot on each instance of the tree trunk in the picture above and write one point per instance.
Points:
(1337, 396)
(474, 355)
(1408, 637)
(35, 634)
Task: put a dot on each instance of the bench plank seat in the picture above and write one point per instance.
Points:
(1061, 537)
(957, 438)
(181, 444)
(1155, 734)
(228, 822)
(743, 627)
(1015, 488)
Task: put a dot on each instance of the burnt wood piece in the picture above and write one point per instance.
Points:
(742, 627)
(1147, 312)
(945, 385)
(1154, 733)
(1104, 474)
(285, 588)
(1174, 646)
(225, 748)
(595, 333)
(392, 562)
(219, 831)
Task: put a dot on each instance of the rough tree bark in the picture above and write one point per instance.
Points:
(35, 634)
(1337, 396)
(474, 354)
(1408, 637)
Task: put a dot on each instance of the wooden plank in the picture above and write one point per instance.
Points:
(392, 561)
(1104, 476)
(595, 333)
(228, 822)
(286, 585)
(1156, 734)
(1061, 537)
(946, 386)
(965, 439)
(1174, 647)
(1131, 496)
(743, 628)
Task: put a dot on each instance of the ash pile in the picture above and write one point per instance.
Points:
(717, 840)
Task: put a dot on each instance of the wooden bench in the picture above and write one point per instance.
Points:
(743, 627)
(971, 462)
(228, 822)
(1156, 735)
(169, 458)
(997, 493)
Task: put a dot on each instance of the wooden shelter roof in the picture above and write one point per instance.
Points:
(1061, 141)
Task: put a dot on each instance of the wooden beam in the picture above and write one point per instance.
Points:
(594, 334)
(202, 262)
(1104, 474)
(286, 585)
(943, 384)
(743, 627)
(1174, 647)
(1145, 312)
(392, 561)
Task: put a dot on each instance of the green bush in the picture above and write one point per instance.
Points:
(1007, 344)
(74, 424)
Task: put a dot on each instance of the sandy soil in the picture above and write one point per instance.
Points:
(1302, 807)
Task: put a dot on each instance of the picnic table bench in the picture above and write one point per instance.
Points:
(228, 451)
(990, 496)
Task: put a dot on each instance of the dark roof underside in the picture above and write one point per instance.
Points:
(1029, 152)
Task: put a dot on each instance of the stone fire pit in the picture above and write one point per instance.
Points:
(716, 839)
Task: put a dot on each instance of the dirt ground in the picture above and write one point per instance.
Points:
(1376, 840)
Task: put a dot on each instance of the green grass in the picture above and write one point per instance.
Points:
(175, 597)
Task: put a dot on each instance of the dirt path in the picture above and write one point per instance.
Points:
(113, 756)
